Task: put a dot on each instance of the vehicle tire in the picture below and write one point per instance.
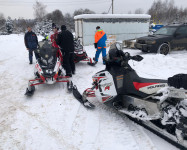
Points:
(164, 49)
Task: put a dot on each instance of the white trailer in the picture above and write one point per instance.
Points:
(120, 26)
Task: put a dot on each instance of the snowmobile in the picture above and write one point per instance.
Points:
(151, 102)
(80, 54)
(48, 68)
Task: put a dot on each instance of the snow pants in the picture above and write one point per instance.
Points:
(68, 62)
(98, 51)
(31, 55)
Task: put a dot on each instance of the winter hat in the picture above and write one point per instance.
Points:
(53, 25)
(98, 27)
(63, 27)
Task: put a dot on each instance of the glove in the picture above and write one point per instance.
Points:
(95, 45)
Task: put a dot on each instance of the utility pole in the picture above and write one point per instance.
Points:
(112, 6)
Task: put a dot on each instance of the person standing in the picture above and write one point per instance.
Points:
(53, 38)
(66, 43)
(100, 44)
(31, 43)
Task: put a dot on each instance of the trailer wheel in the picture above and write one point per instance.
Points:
(164, 49)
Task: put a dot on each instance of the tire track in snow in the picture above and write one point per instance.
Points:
(53, 133)
(140, 136)
(142, 139)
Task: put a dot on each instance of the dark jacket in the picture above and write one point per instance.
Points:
(65, 41)
(31, 40)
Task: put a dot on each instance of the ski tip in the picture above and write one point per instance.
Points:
(91, 64)
(89, 105)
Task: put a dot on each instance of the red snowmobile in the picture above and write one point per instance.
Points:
(48, 68)
(80, 54)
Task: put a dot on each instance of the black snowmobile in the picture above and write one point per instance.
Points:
(48, 68)
(153, 102)
(80, 54)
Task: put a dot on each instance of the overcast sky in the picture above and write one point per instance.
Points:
(24, 8)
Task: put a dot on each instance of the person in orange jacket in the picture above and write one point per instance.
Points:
(100, 44)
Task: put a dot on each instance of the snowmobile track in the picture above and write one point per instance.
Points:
(158, 134)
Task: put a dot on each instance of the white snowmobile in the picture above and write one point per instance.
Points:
(153, 103)
(48, 68)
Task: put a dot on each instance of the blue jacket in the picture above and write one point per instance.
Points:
(31, 40)
(100, 39)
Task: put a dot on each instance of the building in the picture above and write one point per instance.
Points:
(117, 26)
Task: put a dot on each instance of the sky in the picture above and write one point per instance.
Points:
(24, 8)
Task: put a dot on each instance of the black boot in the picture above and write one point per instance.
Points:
(69, 75)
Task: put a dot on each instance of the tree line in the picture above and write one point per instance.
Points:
(167, 12)
(161, 12)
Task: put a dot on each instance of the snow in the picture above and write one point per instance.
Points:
(52, 119)
(101, 16)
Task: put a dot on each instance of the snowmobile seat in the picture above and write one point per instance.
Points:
(135, 78)
(144, 80)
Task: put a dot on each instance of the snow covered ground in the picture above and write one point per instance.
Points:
(53, 120)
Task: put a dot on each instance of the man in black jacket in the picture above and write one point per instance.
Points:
(66, 43)
(31, 43)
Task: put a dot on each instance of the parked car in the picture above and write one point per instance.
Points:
(170, 37)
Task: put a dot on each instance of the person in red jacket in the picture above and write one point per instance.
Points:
(53, 38)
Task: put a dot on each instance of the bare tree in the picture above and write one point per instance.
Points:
(69, 21)
(138, 11)
(2, 20)
(57, 17)
(39, 10)
(83, 11)
(166, 12)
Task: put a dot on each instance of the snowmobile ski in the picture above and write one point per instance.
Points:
(81, 99)
(91, 64)
(30, 92)
(70, 86)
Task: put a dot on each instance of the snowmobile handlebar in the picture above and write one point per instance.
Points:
(126, 56)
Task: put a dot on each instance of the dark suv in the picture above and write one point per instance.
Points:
(170, 37)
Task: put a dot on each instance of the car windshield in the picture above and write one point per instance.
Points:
(166, 31)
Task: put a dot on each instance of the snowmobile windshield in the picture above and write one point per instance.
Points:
(169, 30)
(46, 52)
(117, 46)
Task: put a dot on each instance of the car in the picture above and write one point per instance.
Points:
(164, 40)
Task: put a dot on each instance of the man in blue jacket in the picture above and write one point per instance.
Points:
(31, 43)
(100, 43)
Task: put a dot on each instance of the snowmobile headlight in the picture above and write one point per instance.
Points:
(46, 56)
(151, 42)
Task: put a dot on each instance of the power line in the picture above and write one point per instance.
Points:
(109, 8)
